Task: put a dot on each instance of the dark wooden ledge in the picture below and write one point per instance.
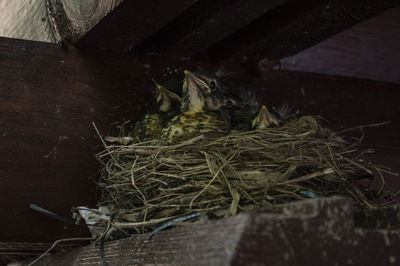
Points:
(310, 232)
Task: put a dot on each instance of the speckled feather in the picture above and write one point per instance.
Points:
(189, 124)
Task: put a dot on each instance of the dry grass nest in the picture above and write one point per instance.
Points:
(145, 184)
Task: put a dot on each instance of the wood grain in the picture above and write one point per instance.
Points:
(369, 50)
(301, 233)
(51, 20)
(26, 20)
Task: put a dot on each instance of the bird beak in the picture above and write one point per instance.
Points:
(264, 119)
(169, 93)
(259, 116)
(161, 90)
(155, 82)
(191, 81)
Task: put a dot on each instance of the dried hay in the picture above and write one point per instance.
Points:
(145, 184)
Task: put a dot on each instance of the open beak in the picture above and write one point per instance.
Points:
(162, 91)
(191, 81)
(264, 119)
(169, 93)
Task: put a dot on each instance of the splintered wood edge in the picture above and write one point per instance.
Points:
(52, 20)
(73, 19)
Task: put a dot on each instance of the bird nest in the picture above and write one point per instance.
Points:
(147, 183)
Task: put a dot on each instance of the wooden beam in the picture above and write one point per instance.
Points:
(222, 19)
(292, 27)
(51, 20)
(369, 50)
(132, 22)
(322, 227)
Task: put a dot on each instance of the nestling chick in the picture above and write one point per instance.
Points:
(200, 101)
(202, 91)
(167, 106)
(264, 119)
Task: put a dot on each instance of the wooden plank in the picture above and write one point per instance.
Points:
(293, 27)
(49, 97)
(329, 238)
(231, 16)
(369, 50)
(322, 227)
(201, 244)
(132, 22)
(51, 20)
(17, 251)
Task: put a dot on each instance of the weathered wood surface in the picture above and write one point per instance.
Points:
(18, 251)
(293, 27)
(51, 20)
(369, 50)
(385, 218)
(49, 97)
(26, 20)
(309, 232)
(132, 22)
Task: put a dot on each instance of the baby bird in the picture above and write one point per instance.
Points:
(200, 101)
(202, 91)
(167, 106)
(264, 119)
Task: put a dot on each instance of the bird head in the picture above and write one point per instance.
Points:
(202, 91)
(166, 99)
(263, 119)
